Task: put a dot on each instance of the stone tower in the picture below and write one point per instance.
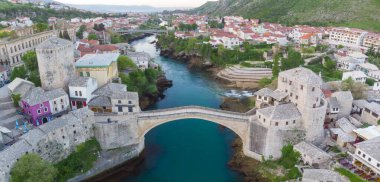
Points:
(56, 63)
(304, 89)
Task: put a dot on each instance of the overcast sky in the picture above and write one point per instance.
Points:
(156, 3)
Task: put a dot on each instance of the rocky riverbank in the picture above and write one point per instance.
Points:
(148, 99)
(194, 61)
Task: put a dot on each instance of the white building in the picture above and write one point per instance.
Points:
(348, 37)
(311, 154)
(80, 91)
(348, 63)
(357, 76)
(367, 67)
(141, 59)
(375, 75)
(358, 56)
(368, 153)
(58, 101)
(376, 86)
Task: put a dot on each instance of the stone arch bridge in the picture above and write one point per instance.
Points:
(114, 131)
(148, 31)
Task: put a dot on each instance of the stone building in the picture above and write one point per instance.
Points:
(56, 63)
(11, 51)
(304, 89)
(53, 141)
(294, 112)
(114, 98)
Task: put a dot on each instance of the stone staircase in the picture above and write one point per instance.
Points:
(8, 113)
(242, 74)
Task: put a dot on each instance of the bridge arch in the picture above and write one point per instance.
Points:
(236, 122)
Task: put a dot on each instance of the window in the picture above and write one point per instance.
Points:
(81, 74)
(367, 110)
(378, 165)
(46, 110)
(41, 105)
(62, 106)
(296, 96)
(75, 132)
(359, 152)
(276, 123)
(290, 82)
(80, 93)
(61, 100)
(73, 103)
(129, 102)
(369, 159)
(291, 94)
(313, 89)
(375, 115)
(88, 74)
(55, 102)
(264, 120)
(259, 116)
(287, 123)
(63, 137)
(38, 111)
(301, 87)
(76, 93)
(363, 155)
(119, 101)
(259, 97)
(294, 121)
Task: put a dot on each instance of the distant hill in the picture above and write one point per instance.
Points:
(363, 14)
(10, 11)
(120, 8)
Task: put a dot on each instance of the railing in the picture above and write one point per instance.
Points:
(193, 110)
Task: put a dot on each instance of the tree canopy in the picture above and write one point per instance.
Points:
(124, 62)
(31, 168)
(92, 36)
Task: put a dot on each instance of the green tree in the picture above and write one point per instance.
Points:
(124, 62)
(66, 35)
(92, 37)
(16, 99)
(32, 168)
(370, 81)
(289, 157)
(264, 82)
(329, 64)
(19, 72)
(35, 78)
(41, 27)
(79, 33)
(276, 69)
(30, 60)
(357, 89)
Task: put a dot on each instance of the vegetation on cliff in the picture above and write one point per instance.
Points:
(282, 169)
(219, 56)
(78, 162)
(31, 167)
(10, 11)
(363, 14)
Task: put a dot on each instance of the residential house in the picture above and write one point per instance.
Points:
(371, 113)
(357, 76)
(20, 86)
(37, 105)
(80, 91)
(345, 100)
(368, 133)
(349, 37)
(343, 133)
(348, 63)
(102, 67)
(114, 98)
(322, 175)
(311, 154)
(374, 75)
(367, 67)
(358, 56)
(141, 59)
(4, 77)
(367, 153)
(309, 39)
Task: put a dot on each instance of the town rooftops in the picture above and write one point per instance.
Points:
(311, 150)
(81, 81)
(354, 74)
(343, 96)
(100, 101)
(266, 92)
(16, 82)
(56, 93)
(35, 96)
(133, 96)
(112, 90)
(345, 137)
(322, 175)
(369, 66)
(281, 112)
(345, 125)
(360, 103)
(369, 132)
(302, 75)
(97, 60)
(54, 43)
(333, 102)
(373, 107)
(371, 147)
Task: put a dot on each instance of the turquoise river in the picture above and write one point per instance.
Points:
(187, 150)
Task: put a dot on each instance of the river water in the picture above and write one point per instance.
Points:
(188, 150)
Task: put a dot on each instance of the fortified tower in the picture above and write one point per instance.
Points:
(56, 63)
(304, 90)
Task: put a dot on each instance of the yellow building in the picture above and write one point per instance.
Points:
(102, 67)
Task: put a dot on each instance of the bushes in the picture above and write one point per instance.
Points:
(353, 177)
(32, 168)
(124, 62)
(143, 82)
(79, 161)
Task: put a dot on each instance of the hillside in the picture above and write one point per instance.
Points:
(363, 14)
(10, 11)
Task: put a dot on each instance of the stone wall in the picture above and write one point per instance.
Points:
(53, 141)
